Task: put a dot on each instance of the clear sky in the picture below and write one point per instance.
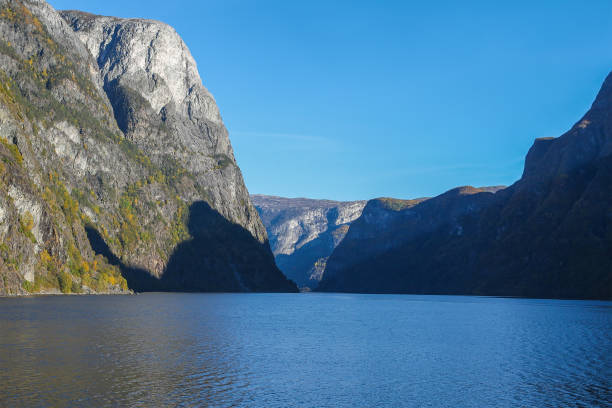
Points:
(360, 99)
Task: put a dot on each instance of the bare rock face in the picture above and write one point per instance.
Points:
(547, 235)
(304, 232)
(159, 101)
(116, 172)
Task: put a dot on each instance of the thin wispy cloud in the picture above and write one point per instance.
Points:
(290, 141)
(283, 136)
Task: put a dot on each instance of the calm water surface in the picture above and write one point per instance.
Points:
(308, 350)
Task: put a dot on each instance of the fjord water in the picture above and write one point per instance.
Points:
(303, 350)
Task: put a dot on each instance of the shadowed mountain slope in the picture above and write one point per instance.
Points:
(547, 235)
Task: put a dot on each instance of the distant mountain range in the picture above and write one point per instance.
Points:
(304, 232)
(117, 174)
(547, 235)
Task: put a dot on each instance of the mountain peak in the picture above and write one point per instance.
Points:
(151, 56)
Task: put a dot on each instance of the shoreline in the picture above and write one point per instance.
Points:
(43, 294)
(49, 294)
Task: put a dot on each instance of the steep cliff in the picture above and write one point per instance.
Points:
(547, 235)
(160, 104)
(304, 232)
(107, 176)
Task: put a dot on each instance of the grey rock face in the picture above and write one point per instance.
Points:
(116, 170)
(55, 133)
(304, 232)
(159, 101)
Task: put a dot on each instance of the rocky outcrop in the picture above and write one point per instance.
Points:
(116, 168)
(547, 235)
(304, 232)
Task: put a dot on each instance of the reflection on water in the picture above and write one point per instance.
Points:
(308, 350)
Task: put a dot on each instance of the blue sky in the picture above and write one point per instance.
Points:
(360, 99)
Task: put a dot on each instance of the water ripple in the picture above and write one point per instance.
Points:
(315, 350)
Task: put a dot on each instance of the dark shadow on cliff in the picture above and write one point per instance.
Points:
(139, 280)
(220, 257)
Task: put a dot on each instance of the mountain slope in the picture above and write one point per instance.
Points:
(303, 232)
(547, 235)
(97, 180)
